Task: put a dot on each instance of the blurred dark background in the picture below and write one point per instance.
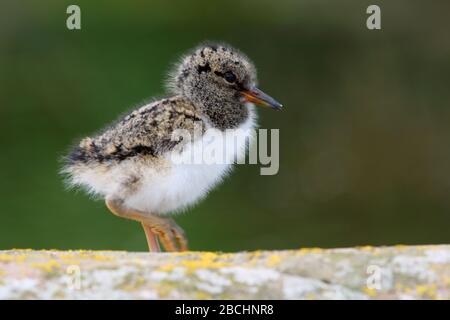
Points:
(365, 133)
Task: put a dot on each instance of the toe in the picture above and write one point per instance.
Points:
(181, 238)
(167, 238)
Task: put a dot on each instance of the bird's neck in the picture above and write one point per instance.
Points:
(228, 115)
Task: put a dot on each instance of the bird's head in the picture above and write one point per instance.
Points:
(217, 74)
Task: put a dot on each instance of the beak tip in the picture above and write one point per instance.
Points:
(278, 107)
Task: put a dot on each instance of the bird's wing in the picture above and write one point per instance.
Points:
(146, 131)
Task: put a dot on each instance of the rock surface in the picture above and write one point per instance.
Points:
(399, 272)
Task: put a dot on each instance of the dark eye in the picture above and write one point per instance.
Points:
(229, 76)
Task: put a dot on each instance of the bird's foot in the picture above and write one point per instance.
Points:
(169, 233)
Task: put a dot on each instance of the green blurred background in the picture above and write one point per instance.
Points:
(365, 133)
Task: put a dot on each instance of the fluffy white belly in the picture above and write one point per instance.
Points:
(174, 190)
(184, 183)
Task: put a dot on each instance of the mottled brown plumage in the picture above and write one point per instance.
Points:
(146, 132)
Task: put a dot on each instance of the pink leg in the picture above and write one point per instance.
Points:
(152, 239)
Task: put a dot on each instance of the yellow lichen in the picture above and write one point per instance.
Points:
(186, 253)
(203, 296)
(371, 292)
(164, 289)
(273, 260)
(421, 289)
(254, 257)
(205, 260)
(304, 251)
(4, 257)
(99, 257)
(193, 265)
(256, 254)
(407, 290)
(428, 291)
(225, 255)
(131, 284)
(310, 296)
(166, 268)
(48, 266)
(365, 248)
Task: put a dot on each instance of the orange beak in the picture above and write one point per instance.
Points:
(258, 97)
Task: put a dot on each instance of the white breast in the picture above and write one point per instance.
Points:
(185, 183)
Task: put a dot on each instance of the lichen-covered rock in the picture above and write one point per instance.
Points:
(399, 272)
